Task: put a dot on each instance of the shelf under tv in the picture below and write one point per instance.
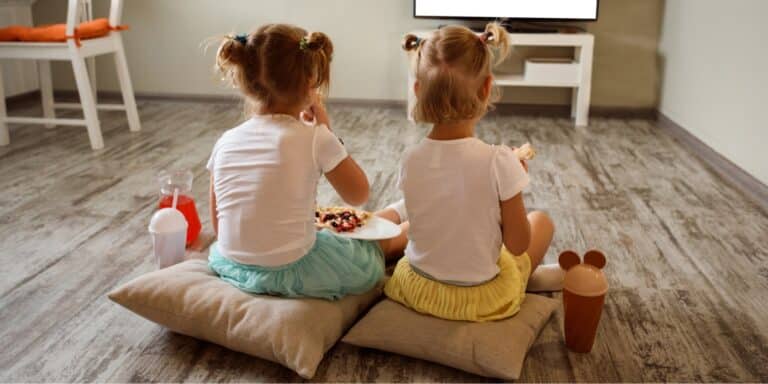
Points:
(575, 73)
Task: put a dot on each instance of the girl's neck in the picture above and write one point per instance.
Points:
(294, 111)
(453, 130)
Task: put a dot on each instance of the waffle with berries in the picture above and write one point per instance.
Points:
(340, 219)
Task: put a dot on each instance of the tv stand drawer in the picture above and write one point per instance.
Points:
(559, 71)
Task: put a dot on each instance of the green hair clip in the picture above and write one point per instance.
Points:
(303, 44)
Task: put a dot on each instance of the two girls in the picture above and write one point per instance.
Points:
(471, 245)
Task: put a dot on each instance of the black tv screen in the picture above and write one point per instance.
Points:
(584, 10)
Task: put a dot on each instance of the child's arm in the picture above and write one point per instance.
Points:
(394, 212)
(390, 214)
(347, 178)
(349, 181)
(212, 204)
(515, 228)
(316, 112)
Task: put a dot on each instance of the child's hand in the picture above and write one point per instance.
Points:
(523, 162)
(525, 153)
(316, 112)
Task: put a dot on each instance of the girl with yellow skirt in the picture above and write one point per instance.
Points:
(472, 247)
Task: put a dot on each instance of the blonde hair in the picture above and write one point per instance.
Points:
(450, 67)
(278, 63)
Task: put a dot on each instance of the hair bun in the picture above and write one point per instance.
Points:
(231, 52)
(496, 36)
(317, 41)
(320, 42)
(494, 33)
(411, 42)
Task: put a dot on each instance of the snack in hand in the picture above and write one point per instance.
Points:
(340, 219)
(525, 152)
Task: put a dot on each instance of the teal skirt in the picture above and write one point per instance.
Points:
(333, 268)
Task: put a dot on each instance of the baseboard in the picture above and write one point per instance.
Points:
(373, 103)
(115, 95)
(564, 111)
(753, 188)
(549, 110)
(233, 99)
(22, 99)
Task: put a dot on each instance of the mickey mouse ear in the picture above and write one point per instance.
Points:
(568, 259)
(595, 258)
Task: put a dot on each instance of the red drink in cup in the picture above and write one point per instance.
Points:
(181, 180)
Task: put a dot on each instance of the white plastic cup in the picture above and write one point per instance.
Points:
(168, 228)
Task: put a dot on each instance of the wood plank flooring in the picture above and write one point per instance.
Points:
(687, 253)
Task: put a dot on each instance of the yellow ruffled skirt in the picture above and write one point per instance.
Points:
(497, 299)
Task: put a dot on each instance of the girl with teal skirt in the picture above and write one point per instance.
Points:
(264, 175)
(333, 268)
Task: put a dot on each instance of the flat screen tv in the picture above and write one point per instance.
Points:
(573, 10)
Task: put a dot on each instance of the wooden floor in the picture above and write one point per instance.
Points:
(687, 254)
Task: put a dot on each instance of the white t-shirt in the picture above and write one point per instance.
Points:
(452, 191)
(265, 174)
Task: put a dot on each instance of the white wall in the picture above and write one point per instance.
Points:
(164, 55)
(715, 76)
(164, 41)
(18, 76)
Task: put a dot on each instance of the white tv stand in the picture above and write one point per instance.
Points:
(576, 75)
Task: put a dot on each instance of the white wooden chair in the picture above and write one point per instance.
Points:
(77, 10)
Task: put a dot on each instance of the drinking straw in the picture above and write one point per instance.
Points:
(175, 197)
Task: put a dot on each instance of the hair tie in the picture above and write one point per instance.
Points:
(485, 37)
(414, 43)
(303, 44)
(241, 38)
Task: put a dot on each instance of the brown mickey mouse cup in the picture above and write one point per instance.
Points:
(584, 289)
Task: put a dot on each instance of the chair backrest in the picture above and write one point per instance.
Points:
(82, 10)
(86, 10)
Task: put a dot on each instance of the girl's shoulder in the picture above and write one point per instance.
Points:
(238, 129)
(232, 135)
(266, 124)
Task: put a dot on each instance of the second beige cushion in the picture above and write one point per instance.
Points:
(492, 349)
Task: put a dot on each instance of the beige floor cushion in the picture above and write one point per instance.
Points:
(492, 349)
(188, 298)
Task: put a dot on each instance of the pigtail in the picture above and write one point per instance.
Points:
(496, 36)
(231, 58)
(318, 41)
(411, 42)
(320, 49)
(231, 53)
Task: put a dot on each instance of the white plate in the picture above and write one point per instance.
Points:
(375, 228)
